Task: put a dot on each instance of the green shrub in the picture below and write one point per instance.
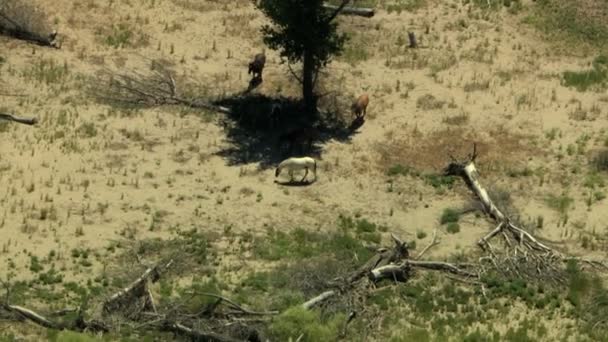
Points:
(398, 169)
(453, 228)
(298, 321)
(449, 215)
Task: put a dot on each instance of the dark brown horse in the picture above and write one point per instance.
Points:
(257, 65)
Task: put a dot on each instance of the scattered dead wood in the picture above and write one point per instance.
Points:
(21, 120)
(391, 264)
(194, 334)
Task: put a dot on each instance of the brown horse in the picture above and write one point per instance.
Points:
(257, 65)
(359, 107)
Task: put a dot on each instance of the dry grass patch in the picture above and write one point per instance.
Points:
(430, 152)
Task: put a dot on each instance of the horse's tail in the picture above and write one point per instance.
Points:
(314, 167)
(277, 171)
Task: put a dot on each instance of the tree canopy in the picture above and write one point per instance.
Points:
(303, 31)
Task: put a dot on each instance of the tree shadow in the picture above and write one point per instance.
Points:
(255, 123)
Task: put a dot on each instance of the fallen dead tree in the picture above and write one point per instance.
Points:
(155, 88)
(521, 254)
(21, 120)
(21, 20)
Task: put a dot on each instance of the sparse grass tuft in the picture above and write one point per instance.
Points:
(429, 102)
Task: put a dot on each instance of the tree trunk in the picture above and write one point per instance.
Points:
(412, 38)
(308, 84)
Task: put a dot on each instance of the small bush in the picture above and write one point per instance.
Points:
(453, 228)
(438, 181)
(398, 169)
(449, 215)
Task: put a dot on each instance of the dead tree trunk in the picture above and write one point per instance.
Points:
(21, 120)
(358, 11)
(412, 37)
(524, 255)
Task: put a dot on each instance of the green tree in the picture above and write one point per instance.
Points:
(303, 31)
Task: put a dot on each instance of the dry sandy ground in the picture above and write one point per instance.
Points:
(500, 83)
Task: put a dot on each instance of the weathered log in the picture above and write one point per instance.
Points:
(33, 316)
(319, 299)
(397, 272)
(401, 272)
(21, 120)
(358, 11)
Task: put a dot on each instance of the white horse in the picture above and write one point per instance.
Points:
(296, 164)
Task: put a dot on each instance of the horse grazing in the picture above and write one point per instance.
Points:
(296, 164)
(257, 65)
(360, 106)
(302, 137)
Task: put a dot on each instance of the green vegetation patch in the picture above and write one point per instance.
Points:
(596, 77)
(578, 21)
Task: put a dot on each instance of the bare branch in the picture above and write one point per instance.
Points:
(293, 73)
(433, 242)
